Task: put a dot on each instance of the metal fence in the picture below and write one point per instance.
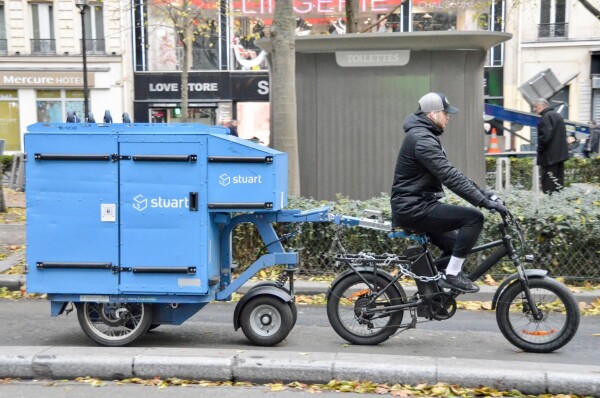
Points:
(576, 258)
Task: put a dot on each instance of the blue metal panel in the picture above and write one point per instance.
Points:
(159, 229)
(245, 176)
(529, 119)
(64, 212)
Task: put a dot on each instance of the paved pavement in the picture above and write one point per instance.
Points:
(52, 362)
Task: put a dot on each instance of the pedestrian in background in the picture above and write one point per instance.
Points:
(552, 149)
(107, 117)
(70, 117)
(233, 128)
(592, 143)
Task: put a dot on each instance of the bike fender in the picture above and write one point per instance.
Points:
(530, 273)
(266, 290)
(384, 274)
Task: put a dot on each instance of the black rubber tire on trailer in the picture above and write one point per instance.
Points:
(285, 289)
(344, 303)
(553, 331)
(266, 320)
(154, 326)
(101, 325)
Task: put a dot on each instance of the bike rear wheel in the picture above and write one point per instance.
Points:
(347, 302)
(559, 315)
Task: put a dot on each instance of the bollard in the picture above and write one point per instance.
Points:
(535, 178)
(499, 162)
(17, 173)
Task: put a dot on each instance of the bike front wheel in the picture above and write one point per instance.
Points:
(556, 324)
(357, 317)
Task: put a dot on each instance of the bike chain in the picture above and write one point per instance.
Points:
(392, 257)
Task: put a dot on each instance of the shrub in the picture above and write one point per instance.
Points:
(562, 231)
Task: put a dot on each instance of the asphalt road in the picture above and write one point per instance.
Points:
(469, 334)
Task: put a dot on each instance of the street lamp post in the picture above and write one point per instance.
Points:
(83, 6)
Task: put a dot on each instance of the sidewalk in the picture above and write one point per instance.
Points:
(260, 366)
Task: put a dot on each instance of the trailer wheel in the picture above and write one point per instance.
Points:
(266, 320)
(292, 304)
(114, 324)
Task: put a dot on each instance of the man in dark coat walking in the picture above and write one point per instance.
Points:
(552, 148)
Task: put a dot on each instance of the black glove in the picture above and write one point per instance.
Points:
(489, 194)
(494, 206)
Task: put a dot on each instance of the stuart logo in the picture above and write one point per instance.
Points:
(141, 203)
(225, 179)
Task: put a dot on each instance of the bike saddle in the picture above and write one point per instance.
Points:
(417, 236)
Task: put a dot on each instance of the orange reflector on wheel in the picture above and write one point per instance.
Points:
(540, 332)
(358, 294)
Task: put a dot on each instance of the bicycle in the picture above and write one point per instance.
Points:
(366, 303)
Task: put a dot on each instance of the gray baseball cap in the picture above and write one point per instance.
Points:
(432, 102)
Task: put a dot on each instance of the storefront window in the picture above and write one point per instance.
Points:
(53, 105)
(225, 38)
(253, 121)
(9, 120)
(166, 51)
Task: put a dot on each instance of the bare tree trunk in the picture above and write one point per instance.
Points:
(284, 129)
(352, 16)
(2, 201)
(185, 72)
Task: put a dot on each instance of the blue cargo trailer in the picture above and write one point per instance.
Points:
(132, 223)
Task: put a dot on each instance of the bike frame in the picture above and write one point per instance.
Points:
(504, 245)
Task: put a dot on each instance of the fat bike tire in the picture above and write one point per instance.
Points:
(351, 295)
(557, 326)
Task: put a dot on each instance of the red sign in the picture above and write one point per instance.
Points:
(250, 7)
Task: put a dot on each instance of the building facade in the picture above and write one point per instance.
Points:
(555, 54)
(41, 63)
(228, 77)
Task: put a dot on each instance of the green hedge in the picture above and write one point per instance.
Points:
(5, 163)
(577, 170)
(562, 230)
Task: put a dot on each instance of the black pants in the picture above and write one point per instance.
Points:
(553, 177)
(454, 229)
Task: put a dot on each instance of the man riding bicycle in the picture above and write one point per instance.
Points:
(421, 170)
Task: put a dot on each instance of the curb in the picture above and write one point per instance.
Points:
(284, 366)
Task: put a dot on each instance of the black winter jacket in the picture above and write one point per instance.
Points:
(421, 169)
(552, 145)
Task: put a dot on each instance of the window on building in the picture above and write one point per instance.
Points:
(53, 105)
(553, 19)
(3, 42)
(9, 120)
(42, 25)
(165, 49)
(94, 29)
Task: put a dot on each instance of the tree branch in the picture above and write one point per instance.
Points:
(382, 18)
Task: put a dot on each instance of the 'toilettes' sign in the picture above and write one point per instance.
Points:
(44, 80)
